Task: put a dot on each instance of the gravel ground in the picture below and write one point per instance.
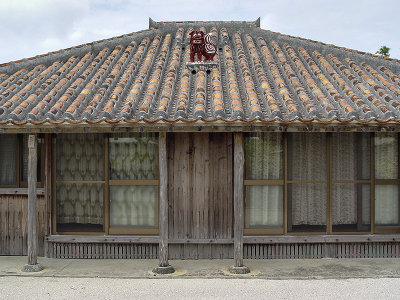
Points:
(17, 287)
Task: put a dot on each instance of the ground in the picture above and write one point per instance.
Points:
(182, 288)
(202, 279)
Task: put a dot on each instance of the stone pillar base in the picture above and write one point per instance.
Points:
(164, 270)
(32, 268)
(239, 270)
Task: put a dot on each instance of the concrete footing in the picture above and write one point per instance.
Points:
(32, 268)
(239, 270)
(164, 270)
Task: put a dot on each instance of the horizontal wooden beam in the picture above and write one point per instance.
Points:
(133, 182)
(201, 241)
(102, 239)
(289, 239)
(217, 126)
(273, 239)
(19, 191)
(130, 239)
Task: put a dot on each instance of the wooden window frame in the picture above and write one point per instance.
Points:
(329, 183)
(326, 182)
(385, 229)
(19, 163)
(266, 182)
(107, 230)
(358, 182)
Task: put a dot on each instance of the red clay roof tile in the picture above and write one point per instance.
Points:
(257, 75)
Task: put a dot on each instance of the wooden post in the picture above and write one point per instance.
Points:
(163, 265)
(238, 173)
(32, 265)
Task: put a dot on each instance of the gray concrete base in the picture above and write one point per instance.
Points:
(32, 268)
(164, 270)
(239, 270)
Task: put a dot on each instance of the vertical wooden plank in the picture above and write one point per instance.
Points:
(54, 187)
(3, 224)
(181, 174)
(47, 185)
(106, 197)
(329, 184)
(229, 183)
(11, 231)
(163, 200)
(208, 181)
(163, 266)
(171, 188)
(32, 210)
(285, 187)
(238, 204)
(214, 196)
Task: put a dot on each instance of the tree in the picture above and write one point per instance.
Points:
(384, 51)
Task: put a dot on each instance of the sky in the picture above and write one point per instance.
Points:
(32, 27)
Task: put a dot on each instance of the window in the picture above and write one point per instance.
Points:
(14, 160)
(264, 183)
(107, 184)
(387, 208)
(80, 180)
(351, 182)
(133, 182)
(307, 182)
(324, 183)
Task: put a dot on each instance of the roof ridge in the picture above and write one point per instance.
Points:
(156, 25)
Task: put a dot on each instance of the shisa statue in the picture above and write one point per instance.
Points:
(202, 45)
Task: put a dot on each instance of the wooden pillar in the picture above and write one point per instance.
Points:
(163, 265)
(32, 265)
(238, 173)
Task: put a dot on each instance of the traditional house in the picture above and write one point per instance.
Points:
(281, 147)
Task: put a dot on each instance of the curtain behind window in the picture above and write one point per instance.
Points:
(307, 162)
(351, 160)
(133, 157)
(80, 157)
(8, 159)
(387, 167)
(264, 161)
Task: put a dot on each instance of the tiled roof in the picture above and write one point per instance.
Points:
(257, 76)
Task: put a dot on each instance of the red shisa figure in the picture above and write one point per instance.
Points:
(203, 45)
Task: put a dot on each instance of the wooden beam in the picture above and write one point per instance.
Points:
(238, 173)
(32, 265)
(20, 191)
(331, 239)
(163, 265)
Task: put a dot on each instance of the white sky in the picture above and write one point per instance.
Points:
(32, 27)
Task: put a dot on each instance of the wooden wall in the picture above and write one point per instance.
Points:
(94, 247)
(322, 250)
(200, 186)
(200, 191)
(13, 224)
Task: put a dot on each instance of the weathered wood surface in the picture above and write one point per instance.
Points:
(344, 238)
(322, 250)
(19, 191)
(102, 250)
(32, 212)
(14, 225)
(163, 216)
(120, 248)
(200, 186)
(238, 199)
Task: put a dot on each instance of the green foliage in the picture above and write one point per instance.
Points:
(384, 51)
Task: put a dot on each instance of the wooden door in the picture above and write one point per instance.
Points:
(200, 186)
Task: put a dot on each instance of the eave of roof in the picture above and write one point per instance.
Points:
(140, 79)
